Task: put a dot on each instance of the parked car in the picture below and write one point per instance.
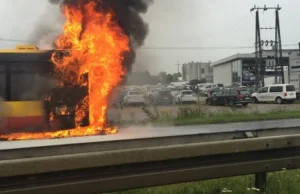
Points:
(134, 97)
(164, 97)
(278, 93)
(251, 89)
(175, 92)
(214, 90)
(152, 95)
(198, 87)
(207, 89)
(187, 96)
(221, 86)
(230, 97)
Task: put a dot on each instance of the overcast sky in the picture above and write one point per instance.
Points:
(173, 23)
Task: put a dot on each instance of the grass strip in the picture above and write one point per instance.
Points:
(235, 117)
(213, 118)
(283, 182)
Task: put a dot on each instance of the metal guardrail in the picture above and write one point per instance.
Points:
(121, 169)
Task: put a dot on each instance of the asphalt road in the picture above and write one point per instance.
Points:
(134, 132)
(137, 114)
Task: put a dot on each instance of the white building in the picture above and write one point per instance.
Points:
(197, 70)
(240, 68)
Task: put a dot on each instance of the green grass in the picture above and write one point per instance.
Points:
(284, 182)
(235, 117)
(297, 102)
(198, 115)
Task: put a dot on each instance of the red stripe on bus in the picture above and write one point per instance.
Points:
(20, 124)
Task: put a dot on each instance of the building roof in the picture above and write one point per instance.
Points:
(233, 58)
(196, 63)
(239, 56)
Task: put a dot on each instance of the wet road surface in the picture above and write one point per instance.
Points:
(134, 132)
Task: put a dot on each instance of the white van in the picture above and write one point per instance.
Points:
(277, 93)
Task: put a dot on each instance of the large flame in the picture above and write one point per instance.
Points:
(96, 44)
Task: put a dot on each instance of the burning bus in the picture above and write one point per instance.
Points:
(91, 58)
(23, 109)
(31, 101)
(36, 100)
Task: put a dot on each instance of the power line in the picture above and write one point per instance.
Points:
(202, 48)
(194, 48)
(238, 22)
(166, 47)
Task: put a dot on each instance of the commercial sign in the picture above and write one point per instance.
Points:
(248, 74)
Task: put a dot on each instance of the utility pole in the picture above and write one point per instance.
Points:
(258, 49)
(178, 65)
(278, 46)
(260, 66)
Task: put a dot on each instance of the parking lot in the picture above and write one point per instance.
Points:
(154, 96)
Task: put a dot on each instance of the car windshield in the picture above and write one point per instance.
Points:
(218, 93)
(244, 92)
(290, 88)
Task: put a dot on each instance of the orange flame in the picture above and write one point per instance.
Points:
(59, 134)
(96, 44)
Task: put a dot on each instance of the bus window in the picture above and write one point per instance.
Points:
(29, 86)
(21, 84)
(2, 85)
(2, 81)
(27, 82)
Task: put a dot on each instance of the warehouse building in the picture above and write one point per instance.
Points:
(240, 68)
(197, 70)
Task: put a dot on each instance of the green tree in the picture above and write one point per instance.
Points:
(169, 79)
(196, 81)
(176, 77)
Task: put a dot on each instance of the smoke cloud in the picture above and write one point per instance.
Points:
(55, 1)
(49, 27)
(128, 14)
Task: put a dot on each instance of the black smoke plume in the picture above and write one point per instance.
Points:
(127, 14)
(55, 1)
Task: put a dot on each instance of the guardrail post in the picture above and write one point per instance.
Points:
(260, 181)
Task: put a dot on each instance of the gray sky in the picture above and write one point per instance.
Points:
(173, 23)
